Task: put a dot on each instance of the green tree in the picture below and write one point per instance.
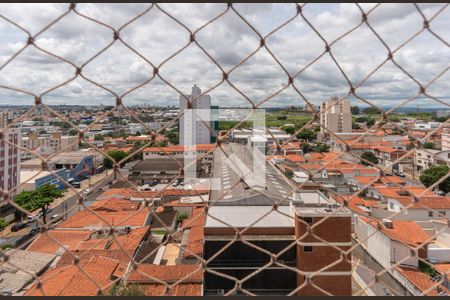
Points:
(433, 174)
(3, 224)
(410, 146)
(356, 126)
(371, 111)
(370, 122)
(320, 147)
(288, 129)
(394, 119)
(117, 155)
(307, 135)
(428, 145)
(362, 119)
(173, 137)
(441, 119)
(39, 198)
(355, 110)
(367, 155)
(73, 132)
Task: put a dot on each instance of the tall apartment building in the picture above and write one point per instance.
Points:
(48, 144)
(10, 159)
(445, 140)
(3, 119)
(336, 116)
(199, 129)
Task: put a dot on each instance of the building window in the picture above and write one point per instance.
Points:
(430, 213)
(307, 249)
(442, 213)
(391, 205)
(308, 220)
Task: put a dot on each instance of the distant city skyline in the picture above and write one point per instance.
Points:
(228, 40)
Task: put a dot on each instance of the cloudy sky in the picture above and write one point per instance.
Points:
(228, 40)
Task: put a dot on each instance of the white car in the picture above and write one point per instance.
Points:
(87, 191)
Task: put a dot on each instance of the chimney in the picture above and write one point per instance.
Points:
(388, 223)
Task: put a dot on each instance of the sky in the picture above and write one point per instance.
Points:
(228, 40)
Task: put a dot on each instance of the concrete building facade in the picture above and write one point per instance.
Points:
(10, 159)
(200, 133)
(336, 116)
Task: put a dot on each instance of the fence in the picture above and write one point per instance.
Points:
(304, 279)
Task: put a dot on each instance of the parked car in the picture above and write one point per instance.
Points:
(76, 184)
(34, 231)
(400, 174)
(87, 191)
(55, 218)
(31, 218)
(18, 226)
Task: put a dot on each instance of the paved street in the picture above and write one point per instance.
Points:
(63, 207)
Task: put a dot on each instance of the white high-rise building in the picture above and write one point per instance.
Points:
(10, 159)
(336, 116)
(199, 129)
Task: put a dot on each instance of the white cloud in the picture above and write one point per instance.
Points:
(228, 40)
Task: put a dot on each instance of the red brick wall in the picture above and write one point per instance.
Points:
(334, 229)
(322, 256)
(335, 285)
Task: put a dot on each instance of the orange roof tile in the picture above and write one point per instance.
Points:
(181, 289)
(114, 204)
(393, 192)
(70, 281)
(407, 232)
(167, 273)
(426, 202)
(69, 238)
(295, 158)
(87, 219)
(421, 280)
(180, 148)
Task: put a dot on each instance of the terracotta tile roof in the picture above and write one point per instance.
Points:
(168, 274)
(70, 281)
(426, 202)
(181, 289)
(295, 158)
(393, 192)
(69, 238)
(121, 256)
(114, 204)
(354, 202)
(407, 232)
(128, 242)
(88, 219)
(129, 193)
(197, 235)
(443, 268)
(180, 148)
(382, 180)
(421, 280)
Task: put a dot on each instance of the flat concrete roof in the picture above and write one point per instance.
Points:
(13, 279)
(244, 216)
